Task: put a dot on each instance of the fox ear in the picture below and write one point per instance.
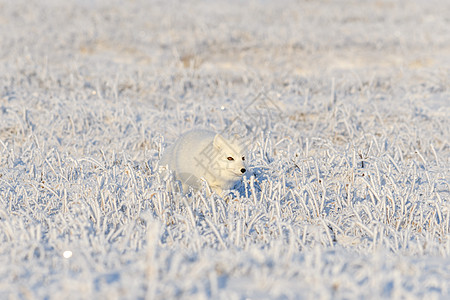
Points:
(219, 141)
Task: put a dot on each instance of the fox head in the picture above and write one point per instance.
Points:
(230, 158)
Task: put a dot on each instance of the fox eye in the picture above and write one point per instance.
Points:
(230, 158)
(243, 158)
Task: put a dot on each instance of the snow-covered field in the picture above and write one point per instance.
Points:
(345, 106)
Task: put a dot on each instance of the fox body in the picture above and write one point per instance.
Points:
(204, 155)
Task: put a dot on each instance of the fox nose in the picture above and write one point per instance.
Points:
(243, 170)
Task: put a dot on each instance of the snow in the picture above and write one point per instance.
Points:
(344, 106)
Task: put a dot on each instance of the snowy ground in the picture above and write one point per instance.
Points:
(346, 105)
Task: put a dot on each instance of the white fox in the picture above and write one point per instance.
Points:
(203, 154)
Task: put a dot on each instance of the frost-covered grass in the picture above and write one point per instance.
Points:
(345, 107)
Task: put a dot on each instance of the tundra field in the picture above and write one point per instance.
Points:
(344, 107)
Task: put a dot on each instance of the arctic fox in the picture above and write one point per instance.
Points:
(203, 154)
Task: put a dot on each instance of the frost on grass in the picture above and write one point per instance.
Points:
(346, 116)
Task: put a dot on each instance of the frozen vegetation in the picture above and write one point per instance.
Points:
(345, 106)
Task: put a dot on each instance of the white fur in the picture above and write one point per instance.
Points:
(204, 155)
